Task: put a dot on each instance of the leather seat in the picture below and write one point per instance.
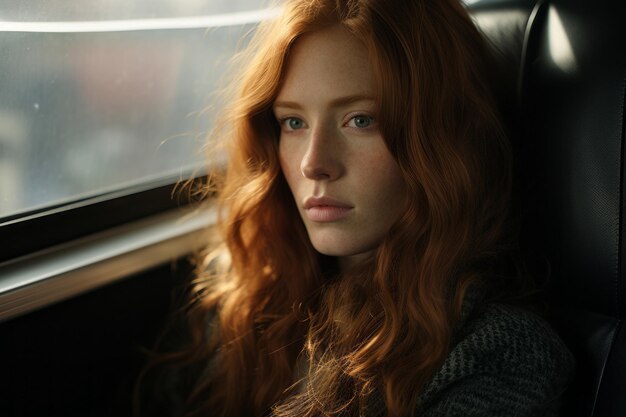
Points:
(564, 92)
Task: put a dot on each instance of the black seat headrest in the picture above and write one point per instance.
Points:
(567, 92)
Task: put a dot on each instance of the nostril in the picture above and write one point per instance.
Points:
(314, 172)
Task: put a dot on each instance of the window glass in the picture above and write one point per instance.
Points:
(88, 10)
(108, 93)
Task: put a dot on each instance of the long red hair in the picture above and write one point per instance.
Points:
(290, 335)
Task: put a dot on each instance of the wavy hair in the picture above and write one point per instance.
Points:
(295, 337)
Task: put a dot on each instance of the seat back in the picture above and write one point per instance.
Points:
(564, 95)
(573, 109)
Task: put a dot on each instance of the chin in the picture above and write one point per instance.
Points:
(340, 248)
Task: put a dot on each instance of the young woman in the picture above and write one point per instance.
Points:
(364, 213)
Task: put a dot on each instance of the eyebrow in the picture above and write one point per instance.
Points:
(338, 102)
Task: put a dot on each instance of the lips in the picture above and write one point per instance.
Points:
(325, 209)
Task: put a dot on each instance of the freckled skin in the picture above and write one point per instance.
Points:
(330, 144)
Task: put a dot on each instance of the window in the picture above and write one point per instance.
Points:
(102, 113)
(100, 98)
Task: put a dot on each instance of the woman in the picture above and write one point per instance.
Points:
(364, 213)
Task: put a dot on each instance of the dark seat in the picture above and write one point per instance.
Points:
(565, 89)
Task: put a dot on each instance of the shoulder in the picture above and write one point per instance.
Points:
(498, 333)
(507, 361)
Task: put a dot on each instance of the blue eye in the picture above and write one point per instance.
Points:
(361, 122)
(292, 123)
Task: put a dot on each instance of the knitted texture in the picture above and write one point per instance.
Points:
(507, 362)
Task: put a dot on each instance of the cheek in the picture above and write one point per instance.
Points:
(387, 187)
(396, 182)
(288, 163)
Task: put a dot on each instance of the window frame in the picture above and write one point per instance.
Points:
(48, 252)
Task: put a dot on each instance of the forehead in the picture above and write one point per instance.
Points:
(327, 63)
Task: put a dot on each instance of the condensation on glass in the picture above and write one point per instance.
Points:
(111, 93)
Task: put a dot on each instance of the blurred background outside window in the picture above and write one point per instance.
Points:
(99, 95)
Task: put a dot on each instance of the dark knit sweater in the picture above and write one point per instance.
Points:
(505, 362)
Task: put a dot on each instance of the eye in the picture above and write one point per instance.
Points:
(361, 121)
(291, 123)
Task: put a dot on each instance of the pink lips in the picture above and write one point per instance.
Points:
(325, 209)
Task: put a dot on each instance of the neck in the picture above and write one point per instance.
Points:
(349, 263)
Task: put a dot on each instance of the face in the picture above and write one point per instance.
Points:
(347, 186)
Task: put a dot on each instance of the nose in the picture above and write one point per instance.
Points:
(323, 157)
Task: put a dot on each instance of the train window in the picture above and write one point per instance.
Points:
(104, 108)
(97, 99)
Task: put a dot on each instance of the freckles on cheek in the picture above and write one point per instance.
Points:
(286, 167)
(288, 158)
(281, 158)
(368, 163)
(373, 166)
